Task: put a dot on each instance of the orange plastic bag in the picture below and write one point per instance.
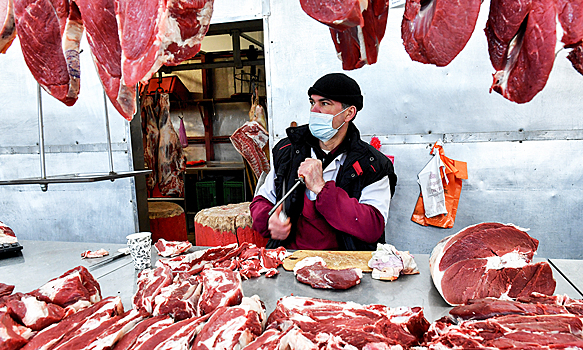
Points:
(455, 171)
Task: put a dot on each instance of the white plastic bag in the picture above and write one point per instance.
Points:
(432, 187)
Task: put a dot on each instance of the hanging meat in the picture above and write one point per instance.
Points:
(436, 31)
(521, 42)
(102, 34)
(151, 140)
(570, 14)
(8, 29)
(158, 32)
(171, 159)
(357, 27)
(50, 34)
(257, 112)
(249, 141)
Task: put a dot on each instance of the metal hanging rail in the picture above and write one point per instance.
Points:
(45, 180)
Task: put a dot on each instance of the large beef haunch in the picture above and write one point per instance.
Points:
(436, 31)
(488, 260)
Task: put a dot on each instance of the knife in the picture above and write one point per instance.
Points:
(120, 254)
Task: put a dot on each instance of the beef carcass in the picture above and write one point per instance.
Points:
(103, 37)
(151, 140)
(521, 42)
(171, 248)
(436, 31)
(50, 33)
(357, 27)
(150, 283)
(171, 158)
(143, 331)
(33, 313)
(75, 289)
(12, 335)
(355, 324)
(249, 140)
(75, 324)
(6, 234)
(179, 300)
(313, 271)
(488, 260)
(8, 28)
(230, 328)
(221, 287)
(153, 33)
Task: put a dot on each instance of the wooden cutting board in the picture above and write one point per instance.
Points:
(336, 260)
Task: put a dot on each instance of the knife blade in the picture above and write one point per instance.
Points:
(120, 254)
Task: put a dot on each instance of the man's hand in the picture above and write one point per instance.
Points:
(279, 230)
(311, 170)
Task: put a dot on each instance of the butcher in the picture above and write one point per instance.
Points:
(343, 202)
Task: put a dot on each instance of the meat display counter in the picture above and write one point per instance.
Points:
(41, 261)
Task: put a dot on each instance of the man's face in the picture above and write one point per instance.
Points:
(325, 105)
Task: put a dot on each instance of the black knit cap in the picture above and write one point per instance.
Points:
(338, 87)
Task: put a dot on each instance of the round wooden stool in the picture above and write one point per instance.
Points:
(226, 224)
(167, 220)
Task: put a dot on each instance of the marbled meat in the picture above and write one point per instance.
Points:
(6, 234)
(313, 271)
(249, 140)
(75, 289)
(355, 324)
(488, 260)
(180, 299)
(12, 335)
(150, 283)
(221, 287)
(100, 253)
(33, 313)
(171, 248)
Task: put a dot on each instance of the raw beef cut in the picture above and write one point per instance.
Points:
(101, 333)
(355, 324)
(357, 27)
(151, 140)
(537, 322)
(234, 327)
(150, 283)
(570, 13)
(313, 271)
(143, 331)
(179, 300)
(521, 42)
(6, 234)
(75, 324)
(103, 37)
(157, 32)
(178, 336)
(436, 31)
(12, 335)
(292, 338)
(8, 28)
(33, 313)
(249, 141)
(171, 158)
(6, 289)
(100, 253)
(488, 260)
(75, 289)
(50, 34)
(171, 248)
(221, 287)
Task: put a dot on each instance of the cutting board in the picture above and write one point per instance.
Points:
(336, 260)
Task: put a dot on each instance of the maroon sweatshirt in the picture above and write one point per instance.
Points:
(332, 211)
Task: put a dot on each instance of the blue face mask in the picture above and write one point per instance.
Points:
(321, 125)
